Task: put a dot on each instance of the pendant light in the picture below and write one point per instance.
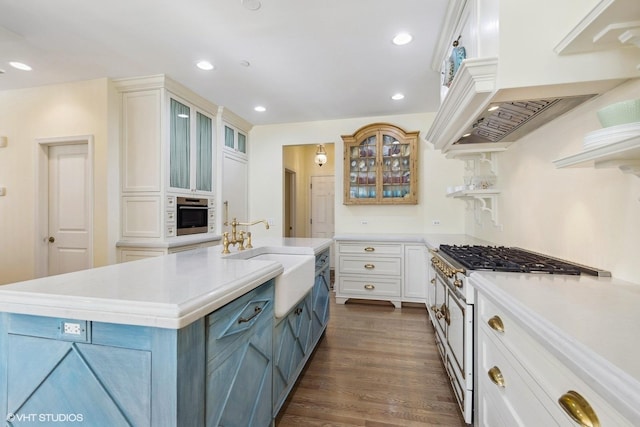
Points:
(321, 155)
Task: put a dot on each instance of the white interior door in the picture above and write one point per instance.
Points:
(322, 210)
(69, 208)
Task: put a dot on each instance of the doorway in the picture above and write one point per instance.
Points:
(308, 192)
(64, 219)
(289, 203)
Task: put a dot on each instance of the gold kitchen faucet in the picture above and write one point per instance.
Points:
(238, 237)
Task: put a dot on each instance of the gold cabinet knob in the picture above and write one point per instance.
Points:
(369, 287)
(496, 376)
(369, 249)
(578, 409)
(369, 266)
(496, 324)
(433, 281)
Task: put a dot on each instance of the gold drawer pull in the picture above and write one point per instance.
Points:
(369, 287)
(496, 376)
(369, 266)
(496, 324)
(579, 409)
(369, 249)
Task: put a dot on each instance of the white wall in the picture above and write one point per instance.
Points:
(435, 174)
(587, 215)
(79, 108)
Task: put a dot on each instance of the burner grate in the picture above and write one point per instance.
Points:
(515, 260)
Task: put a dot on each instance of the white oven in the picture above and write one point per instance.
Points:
(452, 316)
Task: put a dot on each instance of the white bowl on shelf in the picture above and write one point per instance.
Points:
(610, 135)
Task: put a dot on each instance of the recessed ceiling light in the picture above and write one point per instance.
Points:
(402, 38)
(251, 4)
(205, 65)
(397, 97)
(466, 135)
(260, 109)
(20, 66)
(494, 108)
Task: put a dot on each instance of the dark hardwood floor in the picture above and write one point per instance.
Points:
(375, 366)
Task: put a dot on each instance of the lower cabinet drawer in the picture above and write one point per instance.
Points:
(370, 266)
(513, 395)
(375, 286)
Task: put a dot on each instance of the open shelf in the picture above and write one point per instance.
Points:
(623, 154)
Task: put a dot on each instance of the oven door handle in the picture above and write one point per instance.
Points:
(192, 207)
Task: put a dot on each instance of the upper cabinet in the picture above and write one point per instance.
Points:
(512, 80)
(191, 150)
(235, 140)
(380, 166)
(167, 149)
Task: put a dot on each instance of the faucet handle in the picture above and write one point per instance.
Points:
(249, 245)
(241, 241)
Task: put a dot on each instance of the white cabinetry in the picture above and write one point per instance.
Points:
(415, 279)
(381, 270)
(234, 188)
(167, 149)
(522, 383)
(191, 150)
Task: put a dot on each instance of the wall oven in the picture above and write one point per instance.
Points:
(192, 215)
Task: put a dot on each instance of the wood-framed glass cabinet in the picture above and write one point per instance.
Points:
(380, 166)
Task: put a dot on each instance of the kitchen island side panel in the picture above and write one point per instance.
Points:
(106, 374)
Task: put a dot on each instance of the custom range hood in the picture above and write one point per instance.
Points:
(528, 80)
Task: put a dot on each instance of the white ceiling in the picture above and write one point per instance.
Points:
(310, 60)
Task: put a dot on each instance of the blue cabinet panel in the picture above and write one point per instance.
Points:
(321, 292)
(292, 344)
(239, 361)
(102, 385)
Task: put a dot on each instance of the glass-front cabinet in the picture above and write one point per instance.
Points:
(235, 140)
(380, 166)
(190, 149)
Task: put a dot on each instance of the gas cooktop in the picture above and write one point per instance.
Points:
(508, 259)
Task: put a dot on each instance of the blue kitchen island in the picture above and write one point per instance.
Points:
(187, 339)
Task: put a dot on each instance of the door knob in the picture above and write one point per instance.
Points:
(52, 239)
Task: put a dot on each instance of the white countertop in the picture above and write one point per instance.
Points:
(169, 291)
(591, 324)
(171, 242)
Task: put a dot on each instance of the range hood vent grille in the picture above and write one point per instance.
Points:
(516, 118)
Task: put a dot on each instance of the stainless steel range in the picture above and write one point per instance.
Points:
(450, 302)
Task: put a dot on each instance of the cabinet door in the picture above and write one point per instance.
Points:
(321, 290)
(415, 273)
(179, 145)
(234, 186)
(239, 361)
(235, 140)
(292, 343)
(204, 153)
(190, 149)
